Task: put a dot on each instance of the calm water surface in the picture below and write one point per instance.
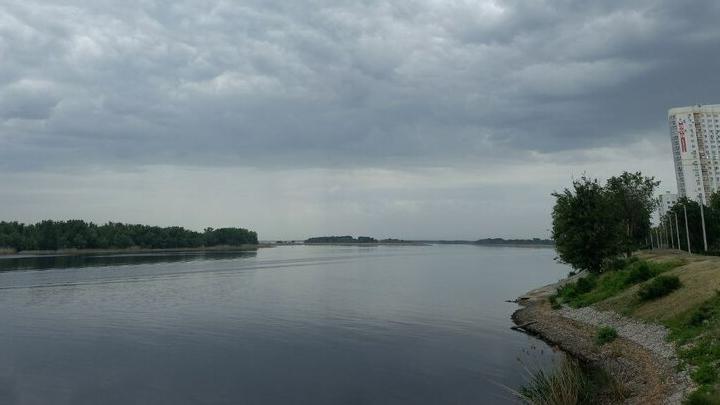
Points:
(288, 325)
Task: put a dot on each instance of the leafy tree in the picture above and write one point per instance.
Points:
(714, 201)
(632, 195)
(586, 228)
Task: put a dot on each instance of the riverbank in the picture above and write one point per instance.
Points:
(641, 360)
(9, 253)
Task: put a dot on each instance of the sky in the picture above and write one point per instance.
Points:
(414, 119)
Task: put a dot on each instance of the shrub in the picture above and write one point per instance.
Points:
(705, 374)
(700, 315)
(617, 263)
(570, 292)
(638, 274)
(659, 287)
(705, 312)
(605, 334)
(703, 396)
(586, 284)
(566, 292)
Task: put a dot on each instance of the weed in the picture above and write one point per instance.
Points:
(605, 334)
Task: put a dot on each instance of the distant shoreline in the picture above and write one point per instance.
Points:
(10, 253)
(7, 253)
(404, 243)
(426, 243)
(500, 244)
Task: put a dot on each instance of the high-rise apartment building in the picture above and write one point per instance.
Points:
(695, 137)
(667, 201)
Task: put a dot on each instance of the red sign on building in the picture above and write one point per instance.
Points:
(681, 132)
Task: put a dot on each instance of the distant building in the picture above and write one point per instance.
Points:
(667, 200)
(695, 137)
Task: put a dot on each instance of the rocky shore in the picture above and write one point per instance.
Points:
(640, 359)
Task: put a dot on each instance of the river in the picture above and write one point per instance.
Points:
(284, 325)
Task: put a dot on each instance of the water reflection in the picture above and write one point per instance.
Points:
(290, 325)
(44, 262)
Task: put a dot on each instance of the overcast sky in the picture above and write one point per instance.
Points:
(408, 119)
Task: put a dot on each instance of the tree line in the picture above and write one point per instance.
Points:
(78, 234)
(502, 241)
(340, 239)
(672, 225)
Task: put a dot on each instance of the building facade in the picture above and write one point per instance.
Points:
(667, 200)
(695, 137)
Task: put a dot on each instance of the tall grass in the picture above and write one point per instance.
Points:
(571, 383)
(565, 385)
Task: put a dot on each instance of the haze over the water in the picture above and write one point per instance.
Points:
(413, 119)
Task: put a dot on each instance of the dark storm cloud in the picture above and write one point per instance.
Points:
(333, 83)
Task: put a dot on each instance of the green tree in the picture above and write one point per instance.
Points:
(632, 194)
(714, 201)
(586, 228)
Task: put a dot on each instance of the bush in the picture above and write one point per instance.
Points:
(605, 334)
(703, 396)
(595, 288)
(566, 292)
(617, 263)
(700, 315)
(638, 274)
(586, 284)
(705, 374)
(571, 291)
(659, 287)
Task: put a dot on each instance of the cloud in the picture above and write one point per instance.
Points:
(28, 100)
(473, 201)
(343, 85)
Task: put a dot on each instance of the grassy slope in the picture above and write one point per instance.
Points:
(692, 312)
(700, 276)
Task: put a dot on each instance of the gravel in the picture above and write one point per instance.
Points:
(652, 337)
